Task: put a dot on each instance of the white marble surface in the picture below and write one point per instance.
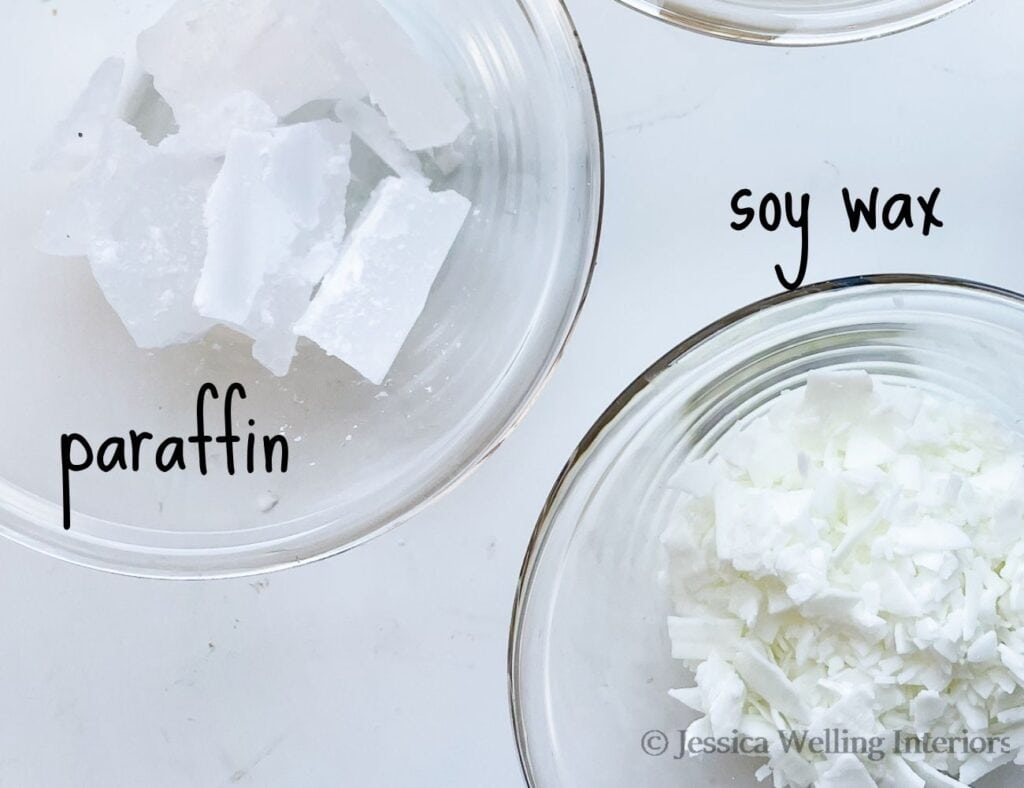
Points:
(386, 667)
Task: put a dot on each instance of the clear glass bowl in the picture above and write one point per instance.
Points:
(796, 22)
(590, 661)
(363, 458)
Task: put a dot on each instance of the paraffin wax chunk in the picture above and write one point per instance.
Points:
(372, 128)
(143, 215)
(94, 201)
(66, 229)
(201, 52)
(286, 294)
(76, 140)
(319, 249)
(421, 111)
(279, 305)
(270, 188)
(206, 131)
(370, 301)
(297, 62)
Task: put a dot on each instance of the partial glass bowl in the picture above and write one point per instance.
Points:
(590, 662)
(796, 22)
(363, 458)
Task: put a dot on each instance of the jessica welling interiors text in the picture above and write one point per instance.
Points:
(832, 741)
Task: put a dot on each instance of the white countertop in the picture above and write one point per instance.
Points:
(386, 667)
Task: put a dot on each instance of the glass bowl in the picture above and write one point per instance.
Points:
(796, 22)
(363, 458)
(590, 661)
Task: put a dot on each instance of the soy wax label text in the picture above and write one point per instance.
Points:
(870, 212)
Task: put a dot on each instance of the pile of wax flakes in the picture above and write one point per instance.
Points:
(851, 561)
(210, 181)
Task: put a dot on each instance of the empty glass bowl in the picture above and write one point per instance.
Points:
(796, 22)
(590, 659)
(363, 457)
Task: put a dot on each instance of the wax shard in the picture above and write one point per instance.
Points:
(207, 131)
(372, 128)
(320, 248)
(846, 771)
(142, 213)
(75, 141)
(277, 309)
(201, 52)
(286, 294)
(370, 301)
(270, 189)
(418, 106)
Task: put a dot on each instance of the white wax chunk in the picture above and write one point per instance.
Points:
(296, 170)
(201, 52)
(206, 131)
(94, 200)
(286, 294)
(144, 216)
(297, 62)
(370, 301)
(372, 128)
(447, 159)
(280, 304)
(418, 106)
(318, 249)
(75, 141)
(65, 230)
(270, 188)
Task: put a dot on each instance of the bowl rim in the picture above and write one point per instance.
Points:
(248, 560)
(543, 526)
(725, 28)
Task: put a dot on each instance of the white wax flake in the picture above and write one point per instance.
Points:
(870, 582)
(269, 190)
(372, 128)
(846, 771)
(76, 140)
(926, 708)
(695, 638)
(764, 677)
(369, 302)
(722, 695)
(419, 108)
(201, 52)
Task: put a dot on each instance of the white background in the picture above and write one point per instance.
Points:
(386, 667)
